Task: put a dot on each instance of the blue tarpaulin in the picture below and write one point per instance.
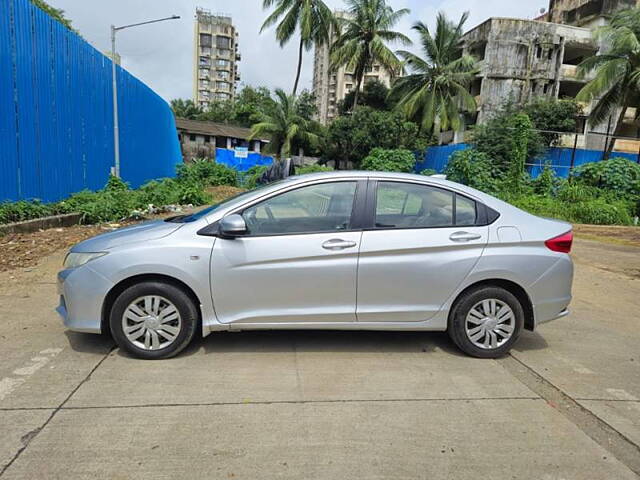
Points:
(241, 160)
(559, 159)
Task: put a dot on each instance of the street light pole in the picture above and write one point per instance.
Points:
(114, 88)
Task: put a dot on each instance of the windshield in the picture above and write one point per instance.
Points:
(206, 211)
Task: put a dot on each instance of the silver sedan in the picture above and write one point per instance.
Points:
(344, 250)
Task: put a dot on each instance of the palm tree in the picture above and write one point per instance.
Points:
(364, 31)
(616, 84)
(185, 108)
(284, 126)
(312, 17)
(437, 91)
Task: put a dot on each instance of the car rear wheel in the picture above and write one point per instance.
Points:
(486, 322)
(153, 320)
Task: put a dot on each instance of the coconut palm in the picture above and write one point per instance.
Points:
(616, 82)
(311, 17)
(284, 126)
(364, 31)
(437, 90)
(185, 108)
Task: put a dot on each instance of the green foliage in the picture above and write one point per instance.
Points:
(473, 168)
(617, 174)
(436, 92)
(382, 160)
(546, 183)
(522, 129)
(313, 19)
(427, 172)
(206, 172)
(375, 94)
(553, 115)
(55, 13)
(614, 70)
(363, 38)
(352, 137)
(496, 139)
(185, 109)
(252, 176)
(19, 211)
(115, 184)
(312, 169)
(285, 127)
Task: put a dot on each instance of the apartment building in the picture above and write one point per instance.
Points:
(331, 86)
(216, 57)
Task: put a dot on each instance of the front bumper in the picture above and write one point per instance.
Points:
(82, 292)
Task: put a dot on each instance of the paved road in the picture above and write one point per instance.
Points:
(334, 405)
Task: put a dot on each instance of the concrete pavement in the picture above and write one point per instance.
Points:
(327, 404)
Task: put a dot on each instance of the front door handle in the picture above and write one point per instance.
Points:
(464, 236)
(338, 244)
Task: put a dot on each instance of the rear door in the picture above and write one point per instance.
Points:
(423, 242)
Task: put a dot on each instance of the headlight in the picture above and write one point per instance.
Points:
(75, 259)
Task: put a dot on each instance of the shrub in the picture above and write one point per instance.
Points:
(251, 177)
(383, 160)
(19, 211)
(547, 182)
(617, 174)
(207, 172)
(473, 168)
(115, 184)
(312, 169)
(427, 172)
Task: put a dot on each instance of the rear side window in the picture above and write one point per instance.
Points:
(466, 212)
(409, 205)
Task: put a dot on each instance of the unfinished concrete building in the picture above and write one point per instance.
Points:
(521, 60)
(585, 13)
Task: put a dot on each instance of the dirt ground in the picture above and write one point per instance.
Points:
(609, 234)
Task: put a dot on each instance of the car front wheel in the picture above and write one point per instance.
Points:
(153, 320)
(486, 322)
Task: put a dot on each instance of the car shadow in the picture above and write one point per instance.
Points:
(530, 341)
(324, 341)
(89, 343)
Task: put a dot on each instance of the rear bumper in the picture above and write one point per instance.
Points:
(551, 293)
(81, 296)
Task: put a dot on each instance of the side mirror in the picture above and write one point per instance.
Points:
(232, 226)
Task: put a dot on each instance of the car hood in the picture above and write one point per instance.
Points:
(141, 232)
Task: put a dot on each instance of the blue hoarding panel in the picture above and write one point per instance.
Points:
(56, 118)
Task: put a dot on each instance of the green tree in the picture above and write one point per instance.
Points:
(520, 150)
(553, 116)
(311, 17)
(396, 160)
(185, 109)
(55, 13)
(375, 94)
(437, 91)
(496, 136)
(615, 85)
(364, 32)
(352, 137)
(250, 103)
(284, 127)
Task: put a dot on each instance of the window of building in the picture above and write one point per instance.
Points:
(222, 63)
(207, 139)
(205, 40)
(223, 42)
(192, 137)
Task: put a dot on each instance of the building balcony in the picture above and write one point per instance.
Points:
(238, 56)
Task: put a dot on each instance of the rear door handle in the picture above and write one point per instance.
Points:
(338, 244)
(464, 236)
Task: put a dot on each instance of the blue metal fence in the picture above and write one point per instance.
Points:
(559, 159)
(56, 118)
(230, 159)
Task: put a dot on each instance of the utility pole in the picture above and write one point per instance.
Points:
(114, 88)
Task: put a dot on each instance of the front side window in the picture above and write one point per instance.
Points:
(407, 205)
(325, 207)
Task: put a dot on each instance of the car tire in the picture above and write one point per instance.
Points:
(480, 314)
(169, 325)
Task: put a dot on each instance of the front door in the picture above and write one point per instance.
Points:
(424, 242)
(298, 262)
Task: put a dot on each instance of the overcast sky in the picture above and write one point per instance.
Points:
(161, 55)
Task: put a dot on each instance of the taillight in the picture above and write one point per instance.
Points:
(561, 244)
